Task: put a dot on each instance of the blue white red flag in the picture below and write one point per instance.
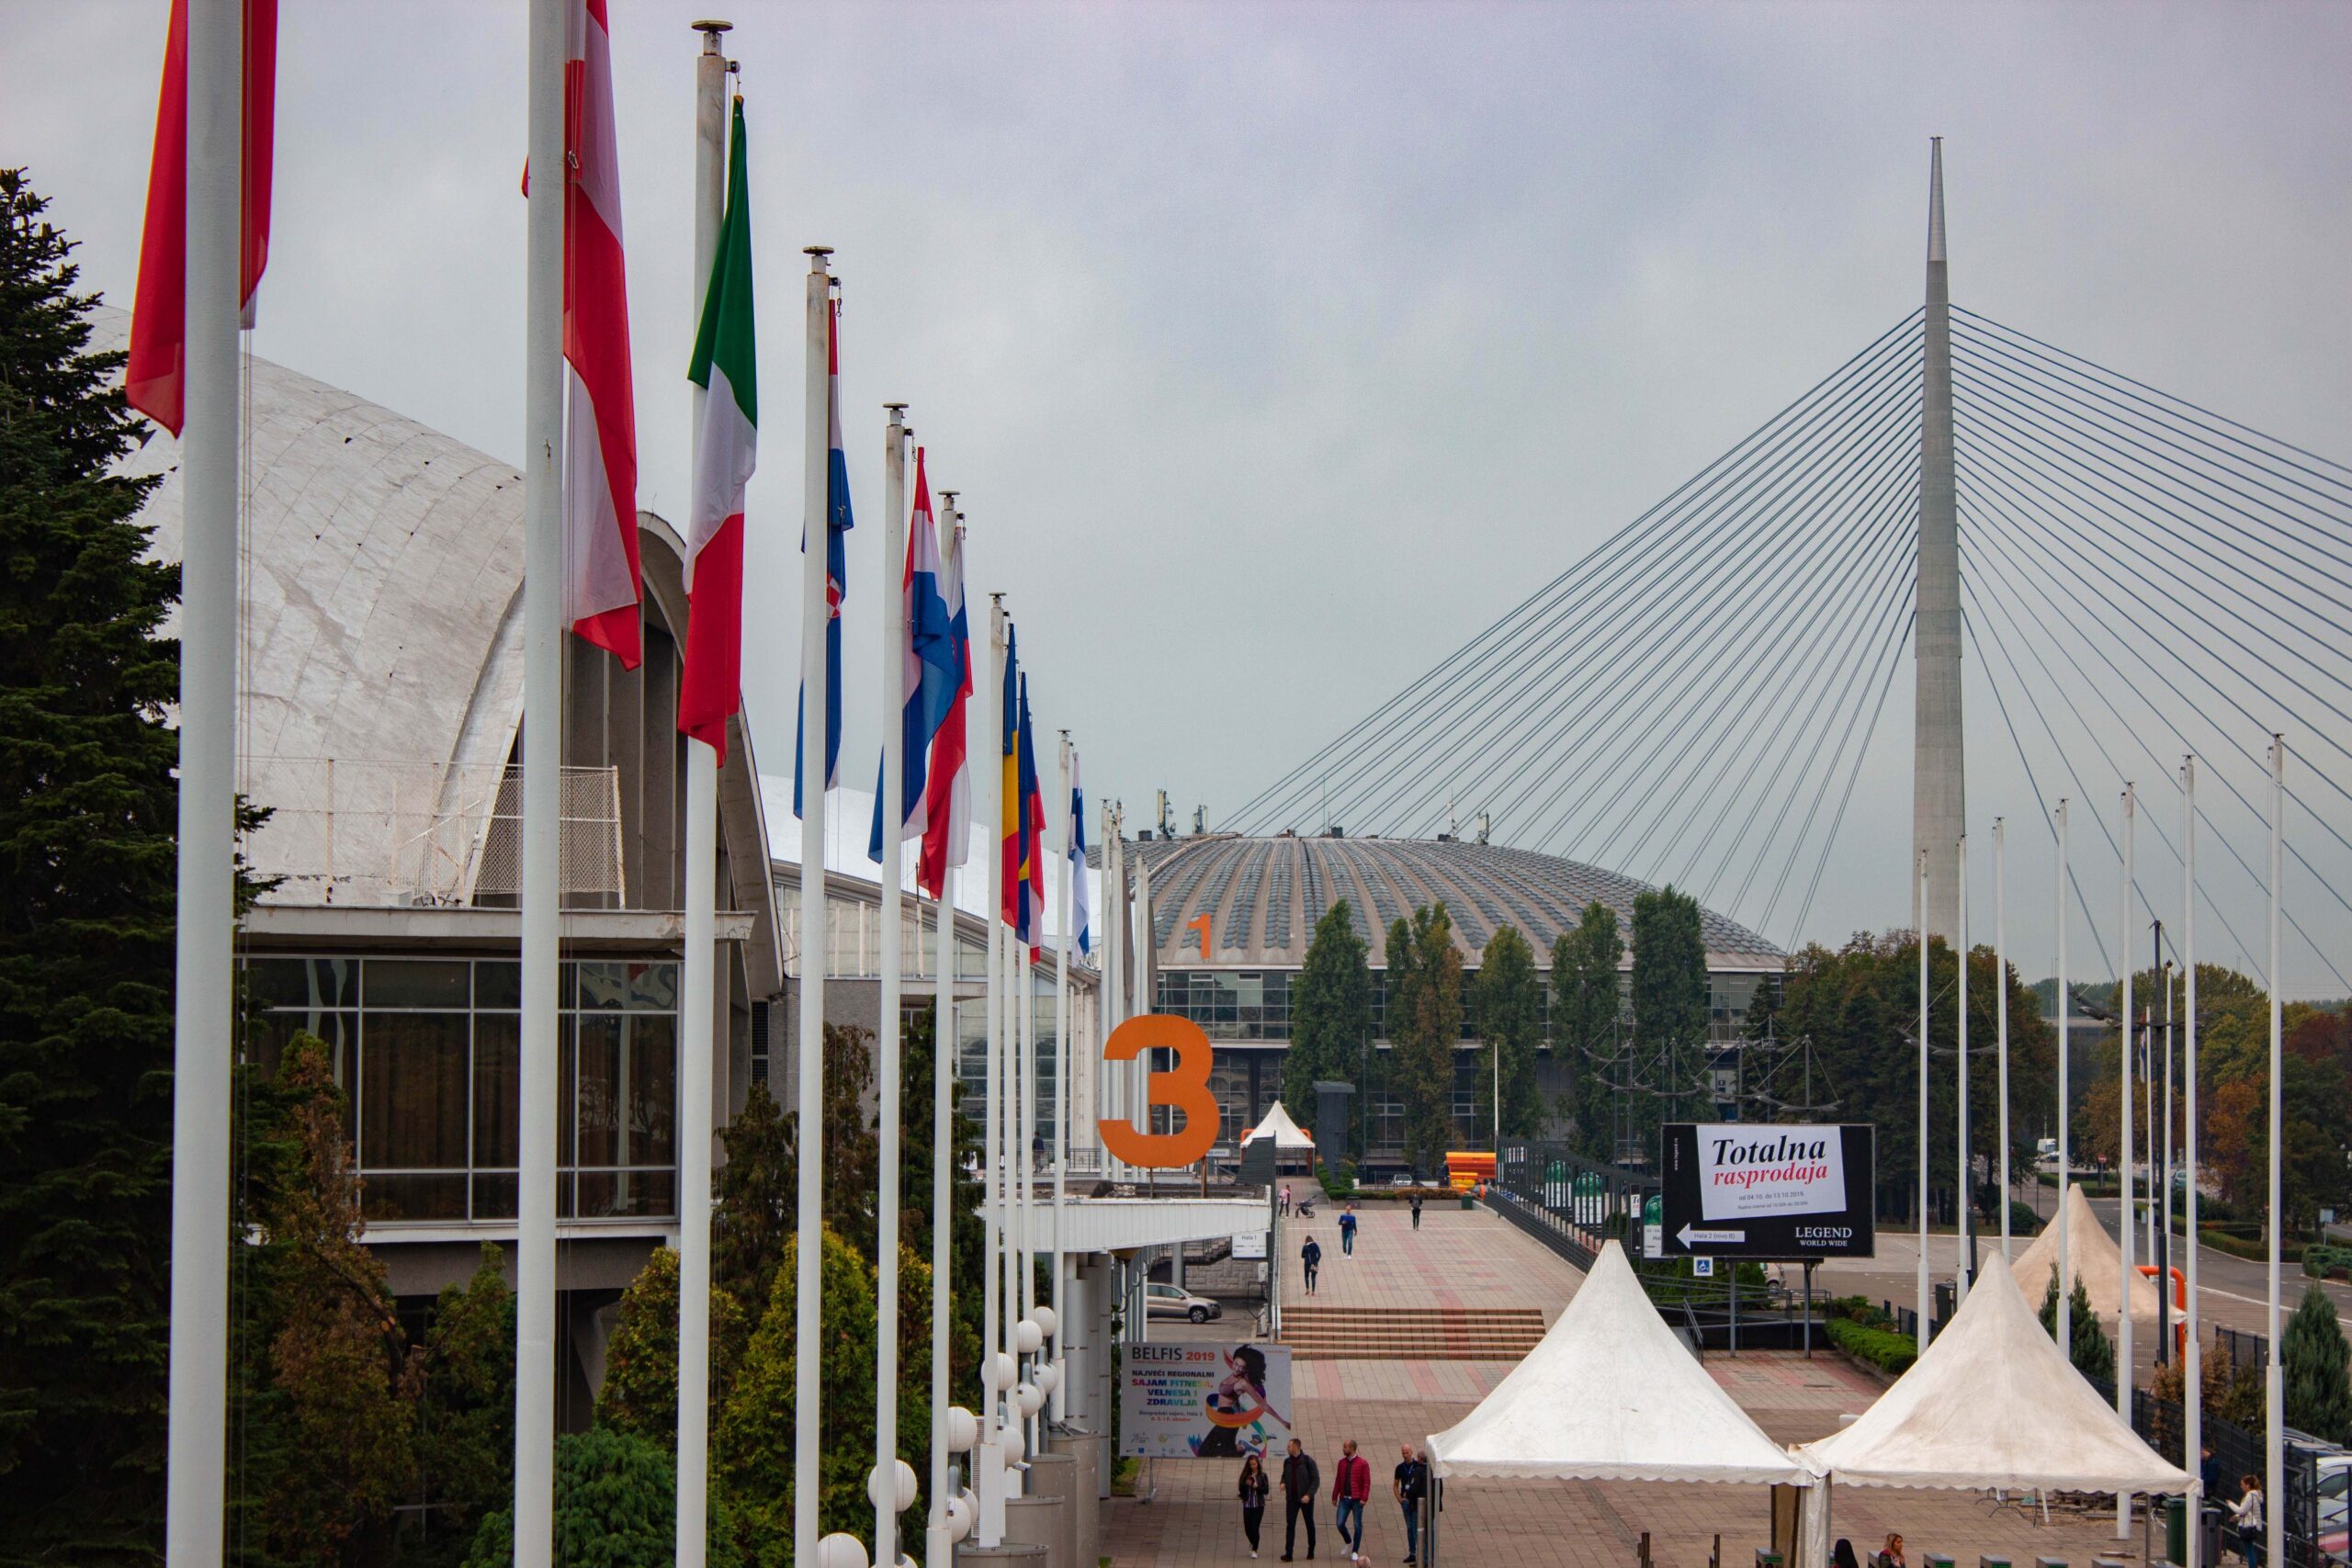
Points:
(929, 659)
(838, 524)
(1081, 914)
(1032, 928)
(947, 785)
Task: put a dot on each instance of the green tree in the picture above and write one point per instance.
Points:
(754, 1193)
(640, 1392)
(967, 1235)
(1508, 1006)
(1424, 1019)
(616, 1507)
(1585, 1006)
(1669, 1009)
(464, 1422)
(1330, 1011)
(87, 807)
(2092, 1352)
(2314, 1358)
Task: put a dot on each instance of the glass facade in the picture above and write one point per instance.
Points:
(427, 1049)
(972, 1062)
(853, 939)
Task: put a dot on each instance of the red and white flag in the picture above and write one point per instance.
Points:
(602, 584)
(155, 377)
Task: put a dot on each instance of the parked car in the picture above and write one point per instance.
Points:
(1174, 1301)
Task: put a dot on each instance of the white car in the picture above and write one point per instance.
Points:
(1174, 1301)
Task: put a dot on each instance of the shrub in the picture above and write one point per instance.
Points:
(2319, 1399)
(616, 1507)
(1879, 1348)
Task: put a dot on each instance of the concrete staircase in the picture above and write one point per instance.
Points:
(1411, 1334)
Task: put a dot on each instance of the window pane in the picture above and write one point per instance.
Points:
(418, 983)
(414, 1197)
(309, 983)
(596, 1096)
(495, 1197)
(339, 1030)
(604, 1193)
(412, 1093)
(649, 1071)
(498, 984)
(497, 1094)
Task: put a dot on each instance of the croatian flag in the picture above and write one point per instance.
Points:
(1081, 917)
(931, 665)
(837, 527)
(947, 787)
(711, 688)
(155, 374)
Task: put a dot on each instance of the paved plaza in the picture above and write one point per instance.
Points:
(1475, 1259)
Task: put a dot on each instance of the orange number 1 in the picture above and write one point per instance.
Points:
(1186, 1089)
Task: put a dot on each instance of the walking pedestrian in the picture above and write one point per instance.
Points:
(1253, 1499)
(1302, 1478)
(1411, 1484)
(1285, 1207)
(1350, 1490)
(1348, 1231)
(1311, 1257)
(1417, 1211)
(2246, 1517)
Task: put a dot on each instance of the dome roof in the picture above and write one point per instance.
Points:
(1265, 896)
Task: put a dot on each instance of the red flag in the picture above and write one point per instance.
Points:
(154, 380)
(604, 583)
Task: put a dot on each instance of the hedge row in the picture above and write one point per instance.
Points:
(1881, 1348)
(2250, 1248)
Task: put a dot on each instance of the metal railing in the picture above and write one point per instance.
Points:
(392, 833)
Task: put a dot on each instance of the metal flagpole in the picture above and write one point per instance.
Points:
(945, 1043)
(2065, 1141)
(697, 977)
(989, 1469)
(2162, 1257)
(2001, 1013)
(1961, 1171)
(2125, 1220)
(816, 519)
(882, 1483)
(535, 1286)
(1062, 1072)
(2192, 1450)
(203, 1013)
(1025, 1102)
(2274, 1480)
(1922, 1279)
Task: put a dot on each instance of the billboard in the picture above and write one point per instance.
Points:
(1217, 1401)
(1771, 1193)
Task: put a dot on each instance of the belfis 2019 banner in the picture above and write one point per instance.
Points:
(1739, 1189)
(1217, 1401)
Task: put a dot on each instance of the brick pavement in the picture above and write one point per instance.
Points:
(1475, 1259)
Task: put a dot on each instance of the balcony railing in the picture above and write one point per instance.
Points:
(385, 833)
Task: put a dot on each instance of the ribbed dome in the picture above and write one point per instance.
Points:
(1265, 896)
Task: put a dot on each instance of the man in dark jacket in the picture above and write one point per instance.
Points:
(1301, 1479)
(1310, 1258)
(1411, 1484)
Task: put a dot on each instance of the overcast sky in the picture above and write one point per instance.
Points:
(1277, 349)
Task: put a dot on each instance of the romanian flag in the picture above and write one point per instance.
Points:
(1009, 839)
(1033, 831)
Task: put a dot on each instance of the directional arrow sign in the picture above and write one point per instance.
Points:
(1690, 1237)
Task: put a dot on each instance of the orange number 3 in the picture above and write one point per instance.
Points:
(1184, 1090)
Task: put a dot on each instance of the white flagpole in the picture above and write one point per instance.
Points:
(989, 800)
(882, 1485)
(2192, 1447)
(1921, 1281)
(2001, 1012)
(2065, 1140)
(698, 973)
(1062, 1055)
(203, 1015)
(2274, 1480)
(535, 1285)
(1025, 1102)
(1961, 1171)
(938, 1541)
(2125, 1220)
(816, 519)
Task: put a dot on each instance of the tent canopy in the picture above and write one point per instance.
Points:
(1611, 1395)
(2092, 1257)
(1994, 1402)
(1286, 1133)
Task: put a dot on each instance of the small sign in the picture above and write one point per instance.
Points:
(1249, 1245)
(1704, 1267)
(1653, 1241)
(1790, 1193)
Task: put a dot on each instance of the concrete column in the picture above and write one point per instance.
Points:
(1937, 796)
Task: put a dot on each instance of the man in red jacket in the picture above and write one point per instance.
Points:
(1350, 1489)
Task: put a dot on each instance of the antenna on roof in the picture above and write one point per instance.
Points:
(1482, 826)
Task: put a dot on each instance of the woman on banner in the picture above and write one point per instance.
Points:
(1236, 1404)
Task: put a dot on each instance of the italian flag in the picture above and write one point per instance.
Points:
(711, 690)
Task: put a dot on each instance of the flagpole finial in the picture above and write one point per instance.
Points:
(711, 27)
(816, 255)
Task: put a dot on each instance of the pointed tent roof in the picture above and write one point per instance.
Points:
(2091, 1256)
(1611, 1395)
(1286, 1133)
(1994, 1402)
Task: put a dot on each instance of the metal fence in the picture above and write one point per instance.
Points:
(1587, 1202)
(2238, 1452)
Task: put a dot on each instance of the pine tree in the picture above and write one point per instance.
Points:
(1330, 1011)
(640, 1391)
(87, 805)
(2092, 1353)
(2314, 1358)
(1508, 1005)
(616, 1507)
(1586, 1002)
(1424, 1015)
(753, 1193)
(465, 1419)
(1669, 1006)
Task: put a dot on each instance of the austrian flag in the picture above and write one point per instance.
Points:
(712, 688)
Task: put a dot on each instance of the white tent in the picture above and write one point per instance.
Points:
(2092, 1257)
(1994, 1402)
(1611, 1395)
(1277, 1125)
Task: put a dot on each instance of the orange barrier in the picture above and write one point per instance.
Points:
(1466, 1169)
(2179, 1307)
